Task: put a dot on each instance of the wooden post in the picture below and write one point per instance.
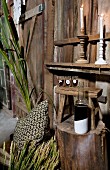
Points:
(48, 78)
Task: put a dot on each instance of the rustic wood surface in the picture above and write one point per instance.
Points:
(68, 29)
(93, 39)
(91, 65)
(91, 92)
(67, 68)
(34, 55)
(48, 79)
(93, 30)
(35, 46)
(79, 152)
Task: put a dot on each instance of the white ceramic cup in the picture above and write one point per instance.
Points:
(81, 126)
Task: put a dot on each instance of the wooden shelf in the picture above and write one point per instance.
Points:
(58, 68)
(73, 41)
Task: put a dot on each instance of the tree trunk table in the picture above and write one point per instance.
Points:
(81, 152)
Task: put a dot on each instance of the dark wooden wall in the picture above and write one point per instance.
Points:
(40, 51)
(67, 25)
(35, 56)
(32, 33)
(60, 20)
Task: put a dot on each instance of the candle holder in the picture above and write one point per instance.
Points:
(100, 59)
(83, 46)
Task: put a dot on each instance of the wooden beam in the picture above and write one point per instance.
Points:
(58, 68)
(74, 41)
(91, 91)
(32, 26)
(34, 11)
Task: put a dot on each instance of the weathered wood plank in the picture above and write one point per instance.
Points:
(91, 38)
(67, 29)
(48, 79)
(58, 68)
(91, 92)
(93, 31)
(32, 12)
(31, 34)
(90, 65)
(35, 48)
(58, 29)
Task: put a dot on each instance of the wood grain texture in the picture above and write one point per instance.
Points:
(94, 28)
(91, 92)
(79, 152)
(48, 79)
(74, 68)
(35, 50)
(93, 39)
(67, 28)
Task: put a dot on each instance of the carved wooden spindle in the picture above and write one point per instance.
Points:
(83, 41)
(100, 59)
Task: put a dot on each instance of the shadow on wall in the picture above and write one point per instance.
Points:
(106, 119)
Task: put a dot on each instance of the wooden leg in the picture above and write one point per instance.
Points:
(95, 108)
(100, 112)
(91, 104)
(71, 103)
(71, 109)
(61, 108)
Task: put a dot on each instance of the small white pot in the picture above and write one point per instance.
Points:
(81, 126)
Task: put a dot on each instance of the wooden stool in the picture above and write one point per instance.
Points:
(71, 92)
